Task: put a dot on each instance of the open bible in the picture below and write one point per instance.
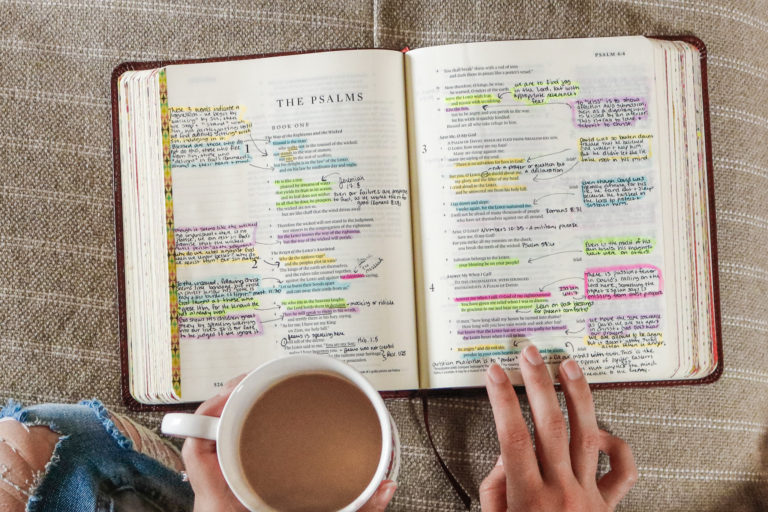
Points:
(417, 214)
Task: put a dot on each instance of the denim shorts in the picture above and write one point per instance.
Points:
(94, 467)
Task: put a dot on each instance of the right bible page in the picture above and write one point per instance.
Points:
(538, 211)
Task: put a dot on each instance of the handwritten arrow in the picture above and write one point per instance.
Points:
(262, 152)
(531, 260)
(324, 178)
(277, 264)
(536, 201)
(500, 94)
(270, 279)
(574, 332)
(541, 288)
(536, 178)
(500, 105)
(548, 154)
(267, 243)
(267, 309)
(273, 320)
(571, 344)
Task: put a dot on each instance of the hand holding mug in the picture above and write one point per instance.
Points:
(218, 446)
(208, 483)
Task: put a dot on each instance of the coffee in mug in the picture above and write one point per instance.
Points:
(310, 442)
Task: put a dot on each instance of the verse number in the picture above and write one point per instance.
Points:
(432, 287)
(423, 148)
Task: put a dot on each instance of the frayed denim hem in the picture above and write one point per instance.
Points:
(103, 415)
(34, 501)
(15, 410)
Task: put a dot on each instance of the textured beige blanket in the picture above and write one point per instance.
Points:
(701, 448)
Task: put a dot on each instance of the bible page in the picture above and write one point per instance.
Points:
(539, 209)
(291, 215)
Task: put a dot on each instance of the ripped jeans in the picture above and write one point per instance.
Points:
(94, 467)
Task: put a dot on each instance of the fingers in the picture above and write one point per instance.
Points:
(616, 483)
(551, 431)
(381, 498)
(194, 447)
(585, 435)
(493, 489)
(514, 438)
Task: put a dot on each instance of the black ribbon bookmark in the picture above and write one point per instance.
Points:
(463, 495)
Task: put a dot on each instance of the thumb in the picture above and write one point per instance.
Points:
(381, 498)
(214, 405)
(615, 484)
(493, 490)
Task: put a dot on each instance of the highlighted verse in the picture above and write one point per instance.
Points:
(626, 340)
(615, 147)
(613, 191)
(623, 282)
(231, 243)
(471, 99)
(199, 124)
(208, 136)
(619, 246)
(624, 331)
(488, 181)
(608, 112)
(316, 307)
(622, 324)
(220, 307)
(541, 92)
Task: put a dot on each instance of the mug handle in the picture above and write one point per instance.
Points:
(190, 425)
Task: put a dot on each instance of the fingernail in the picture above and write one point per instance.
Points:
(497, 374)
(388, 492)
(532, 355)
(500, 462)
(230, 385)
(571, 368)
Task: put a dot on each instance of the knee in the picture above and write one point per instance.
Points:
(24, 454)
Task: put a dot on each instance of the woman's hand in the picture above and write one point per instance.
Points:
(212, 491)
(558, 475)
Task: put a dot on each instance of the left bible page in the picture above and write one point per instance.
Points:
(291, 215)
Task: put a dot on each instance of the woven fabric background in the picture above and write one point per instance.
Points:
(697, 448)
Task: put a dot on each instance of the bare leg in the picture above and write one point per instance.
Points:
(24, 454)
(147, 442)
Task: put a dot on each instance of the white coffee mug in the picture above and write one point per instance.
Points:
(226, 429)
